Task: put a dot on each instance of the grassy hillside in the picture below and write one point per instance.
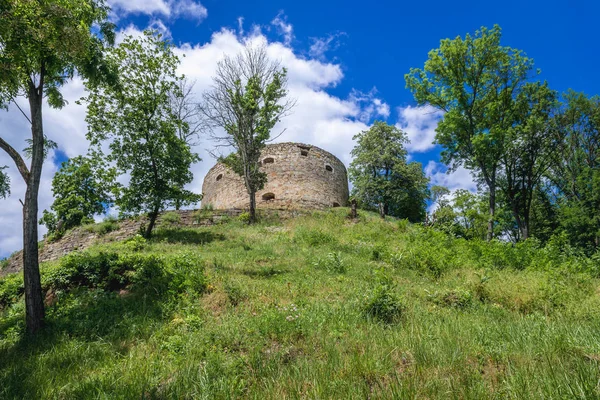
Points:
(312, 307)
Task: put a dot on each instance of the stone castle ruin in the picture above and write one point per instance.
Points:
(298, 176)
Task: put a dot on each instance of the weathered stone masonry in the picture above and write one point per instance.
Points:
(298, 175)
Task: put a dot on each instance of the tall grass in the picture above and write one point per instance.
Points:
(313, 307)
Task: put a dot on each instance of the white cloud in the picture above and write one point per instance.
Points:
(318, 118)
(439, 175)
(284, 28)
(372, 107)
(461, 178)
(419, 123)
(188, 9)
(320, 46)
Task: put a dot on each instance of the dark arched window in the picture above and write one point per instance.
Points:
(335, 204)
(328, 168)
(219, 177)
(268, 160)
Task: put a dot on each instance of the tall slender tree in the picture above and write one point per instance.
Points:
(247, 99)
(474, 81)
(43, 44)
(531, 148)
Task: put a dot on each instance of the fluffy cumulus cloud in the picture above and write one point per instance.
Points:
(419, 123)
(318, 117)
(189, 9)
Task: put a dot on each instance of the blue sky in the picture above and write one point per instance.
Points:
(376, 44)
(346, 63)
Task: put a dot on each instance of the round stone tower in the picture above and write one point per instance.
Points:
(298, 176)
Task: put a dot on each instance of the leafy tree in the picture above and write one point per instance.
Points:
(470, 214)
(474, 81)
(576, 174)
(530, 150)
(142, 128)
(246, 101)
(42, 45)
(382, 178)
(82, 188)
(439, 195)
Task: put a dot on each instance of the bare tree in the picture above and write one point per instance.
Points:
(185, 107)
(247, 99)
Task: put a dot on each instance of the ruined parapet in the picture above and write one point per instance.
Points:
(298, 176)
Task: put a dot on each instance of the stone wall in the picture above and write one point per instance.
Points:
(298, 176)
(81, 237)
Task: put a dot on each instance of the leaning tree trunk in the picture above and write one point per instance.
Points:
(34, 304)
(153, 215)
(252, 218)
(382, 210)
(490, 230)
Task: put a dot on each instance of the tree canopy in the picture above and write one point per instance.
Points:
(382, 178)
(138, 120)
(42, 45)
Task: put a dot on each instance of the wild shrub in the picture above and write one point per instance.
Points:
(11, 289)
(382, 303)
(188, 272)
(171, 218)
(234, 292)
(333, 262)
(456, 298)
(244, 217)
(136, 243)
(110, 224)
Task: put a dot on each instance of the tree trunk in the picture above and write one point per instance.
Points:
(252, 218)
(353, 213)
(381, 210)
(153, 215)
(490, 231)
(34, 304)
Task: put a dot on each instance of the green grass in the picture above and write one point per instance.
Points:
(313, 307)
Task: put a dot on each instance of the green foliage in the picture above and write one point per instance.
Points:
(244, 217)
(150, 323)
(82, 188)
(108, 225)
(235, 293)
(11, 288)
(111, 271)
(456, 298)
(380, 174)
(43, 45)
(138, 121)
(136, 243)
(4, 183)
(171, 218)
(382, 303)
(313, 237)
(333, 262)
(475, 81)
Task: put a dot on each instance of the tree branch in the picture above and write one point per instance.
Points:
(20, 163)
